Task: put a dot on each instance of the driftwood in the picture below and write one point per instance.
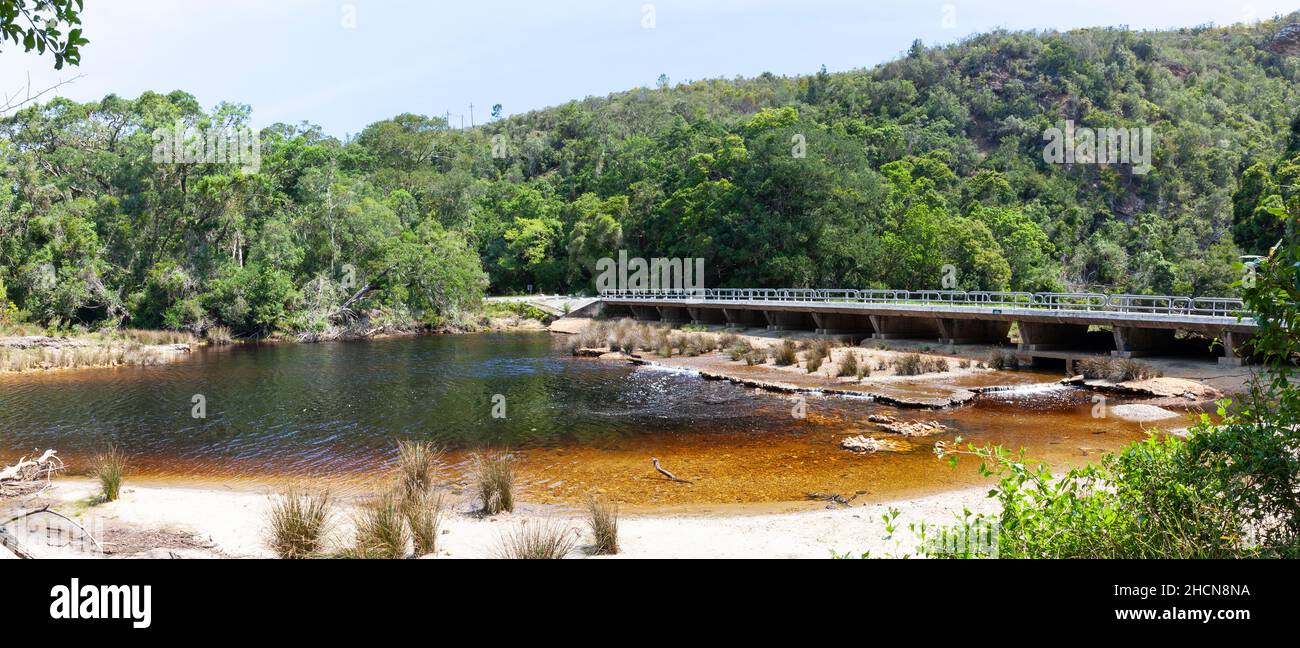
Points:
(832, 497)
(29, 475)
(10, 542)
(667, 474)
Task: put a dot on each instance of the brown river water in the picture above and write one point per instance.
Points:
(334, 413)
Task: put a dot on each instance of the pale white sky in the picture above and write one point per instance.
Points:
(344, 65)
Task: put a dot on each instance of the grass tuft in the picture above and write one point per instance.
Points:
(602, 519)
(537, 540)
(110, 466)
(381, 528)
(298, 520)
(419, 466)
(423, 514)
(494, 482)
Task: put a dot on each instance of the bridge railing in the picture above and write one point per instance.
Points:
(1055, 301)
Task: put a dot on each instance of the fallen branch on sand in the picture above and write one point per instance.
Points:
(9, 541)
(29, 475)
(832, 497)
(667, 474)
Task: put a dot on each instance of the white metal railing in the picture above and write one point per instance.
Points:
(1089, 302)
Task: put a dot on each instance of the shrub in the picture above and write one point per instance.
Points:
(537, 540)
(910, 364)
(494, 482)
(1003, 360)
(1148, 501)
(755, 358)
(738, 350)
(298, 520)
(110, 466)
(602, 519)
(219, 335)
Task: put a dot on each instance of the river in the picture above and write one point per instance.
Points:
(335, 412)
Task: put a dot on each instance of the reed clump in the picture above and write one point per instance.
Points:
(848, 367)
(219, 335)
(419, 466)
(786, 354)
(1116, 369)
(537, 540)
(381, 530)
(602, 519)
(494, 482)
(110, 467)
(424, 515)
(299, 520)
(813, 361)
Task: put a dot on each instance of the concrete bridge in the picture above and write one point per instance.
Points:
(1050, 324)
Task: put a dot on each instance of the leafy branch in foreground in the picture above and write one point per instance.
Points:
(38, 25)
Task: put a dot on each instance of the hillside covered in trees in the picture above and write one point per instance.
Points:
(869, 178)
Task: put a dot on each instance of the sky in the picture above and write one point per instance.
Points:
(343, 65)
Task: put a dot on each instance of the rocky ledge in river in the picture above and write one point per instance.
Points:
(955, 398)
(906, 428)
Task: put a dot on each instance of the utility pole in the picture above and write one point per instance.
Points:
(471, 115)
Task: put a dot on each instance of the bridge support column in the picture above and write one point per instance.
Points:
(891, 327)
(744, 318)
(1039, 336)
(969, 331)
(645, 313)
(674, 314)
(789, 321)
(1132, 342)
(1235, 346)
(707, 316)
(857, 326)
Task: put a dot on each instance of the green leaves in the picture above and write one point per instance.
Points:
(35, 24)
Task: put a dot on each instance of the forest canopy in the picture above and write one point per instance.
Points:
(874, 177)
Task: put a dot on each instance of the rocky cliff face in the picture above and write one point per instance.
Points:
(1287, 41)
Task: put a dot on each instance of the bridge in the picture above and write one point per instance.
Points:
(1049, 324)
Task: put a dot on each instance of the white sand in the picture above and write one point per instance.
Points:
(232, 522)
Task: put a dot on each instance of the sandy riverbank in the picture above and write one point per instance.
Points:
(214, 521)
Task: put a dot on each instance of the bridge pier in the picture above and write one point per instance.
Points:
(857, 326)
(1039, 336)
(707, 316)
(789, 321)
(969, 331)
(891, 327)
(1133, 342)
(744, 318)
(645, 313)
(674, 314)
(1235, 346)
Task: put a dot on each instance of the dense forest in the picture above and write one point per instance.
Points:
(869, 178)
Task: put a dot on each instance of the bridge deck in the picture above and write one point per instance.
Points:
(1097, 317)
